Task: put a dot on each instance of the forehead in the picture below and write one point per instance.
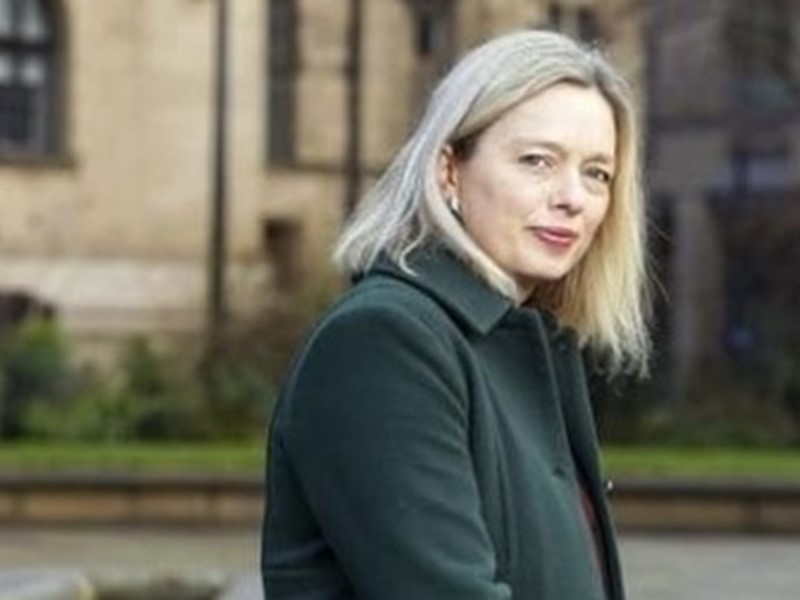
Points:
(565, 113)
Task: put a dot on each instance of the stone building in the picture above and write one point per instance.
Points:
(106, 140)
(724, 145)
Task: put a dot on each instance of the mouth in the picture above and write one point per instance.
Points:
(559, 238)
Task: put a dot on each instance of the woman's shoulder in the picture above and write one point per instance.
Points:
(376, 325)
(380, 299)
(382, 329)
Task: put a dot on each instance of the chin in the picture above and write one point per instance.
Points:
(549, 275)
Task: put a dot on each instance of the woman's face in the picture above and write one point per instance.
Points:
(537, 185)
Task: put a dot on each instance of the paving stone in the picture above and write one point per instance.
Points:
(159, 584)
(657, 567)
(45, 584)
(245, 588)
(703, 567)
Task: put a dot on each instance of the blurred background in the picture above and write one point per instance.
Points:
(174, 172)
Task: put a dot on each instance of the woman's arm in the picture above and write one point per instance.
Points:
(377, 431)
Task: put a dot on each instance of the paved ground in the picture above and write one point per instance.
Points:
(130, 552)
(712, 568)
(657, 567)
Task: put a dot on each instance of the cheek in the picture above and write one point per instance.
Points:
(599, 213)
(594, 222)
(491, 186)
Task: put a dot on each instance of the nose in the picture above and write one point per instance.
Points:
(569, 194)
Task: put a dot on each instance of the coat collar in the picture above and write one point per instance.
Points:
(446, 278)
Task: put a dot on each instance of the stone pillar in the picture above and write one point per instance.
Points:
(696, 289)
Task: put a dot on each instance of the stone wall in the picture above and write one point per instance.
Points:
(114, 232)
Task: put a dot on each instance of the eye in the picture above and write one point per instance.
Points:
(600, 174)
(533, 159)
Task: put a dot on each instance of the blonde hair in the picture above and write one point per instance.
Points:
(604, 298)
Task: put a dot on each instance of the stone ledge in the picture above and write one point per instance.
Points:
(130, 498)
(52, 584)
(159, 585)
(745, 505)
(640, 504)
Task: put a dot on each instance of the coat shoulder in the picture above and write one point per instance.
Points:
(381, 335)
(376, 324)
(382, 299)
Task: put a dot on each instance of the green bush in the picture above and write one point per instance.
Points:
(238, 398)
(169, 402)
(789, 387)
(153, 396)
(143, 401)
(97, 412)
(723, 406)
(33, 365)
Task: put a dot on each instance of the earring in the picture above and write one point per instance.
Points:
(454, 204)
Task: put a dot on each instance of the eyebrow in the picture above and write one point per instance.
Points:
(559, 149)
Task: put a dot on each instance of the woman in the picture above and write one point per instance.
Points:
(434, 437)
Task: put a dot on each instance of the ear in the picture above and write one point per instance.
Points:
(448, 172)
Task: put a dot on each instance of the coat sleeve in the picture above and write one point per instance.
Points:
(377, 432)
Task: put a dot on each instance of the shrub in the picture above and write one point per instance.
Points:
(790, 389)
(95, 412)
(33, 365)
(724, 405)
(152, 396)
(146, 399)
(238, 398)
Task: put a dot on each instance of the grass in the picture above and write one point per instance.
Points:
(703, 462)
(138, 457)
(248, 457)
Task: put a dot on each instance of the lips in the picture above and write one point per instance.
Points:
(556, 237)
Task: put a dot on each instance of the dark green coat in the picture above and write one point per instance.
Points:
(426, 447)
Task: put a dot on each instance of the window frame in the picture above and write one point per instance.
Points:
(582, 21)
(48, 145)
(283, 66)
(433, 40)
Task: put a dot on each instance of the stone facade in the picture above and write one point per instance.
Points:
(112, 229)
(725, 118)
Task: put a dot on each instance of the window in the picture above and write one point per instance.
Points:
(283, 243)
(28, 78)
(586, 24)
(760, 41)
(283, 71)
(432, 27)
(579, 21)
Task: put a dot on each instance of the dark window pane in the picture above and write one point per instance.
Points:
(5, 18)
(283, 240)
(28, 110)
(281, 134)
(6, 67)
(33, 71)
(16, 115)
(283, 65)
(433, 23)
(425, 34)
(433, 28)
(577, 21)
(588, 29)
(33, 25)
(554, 15)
